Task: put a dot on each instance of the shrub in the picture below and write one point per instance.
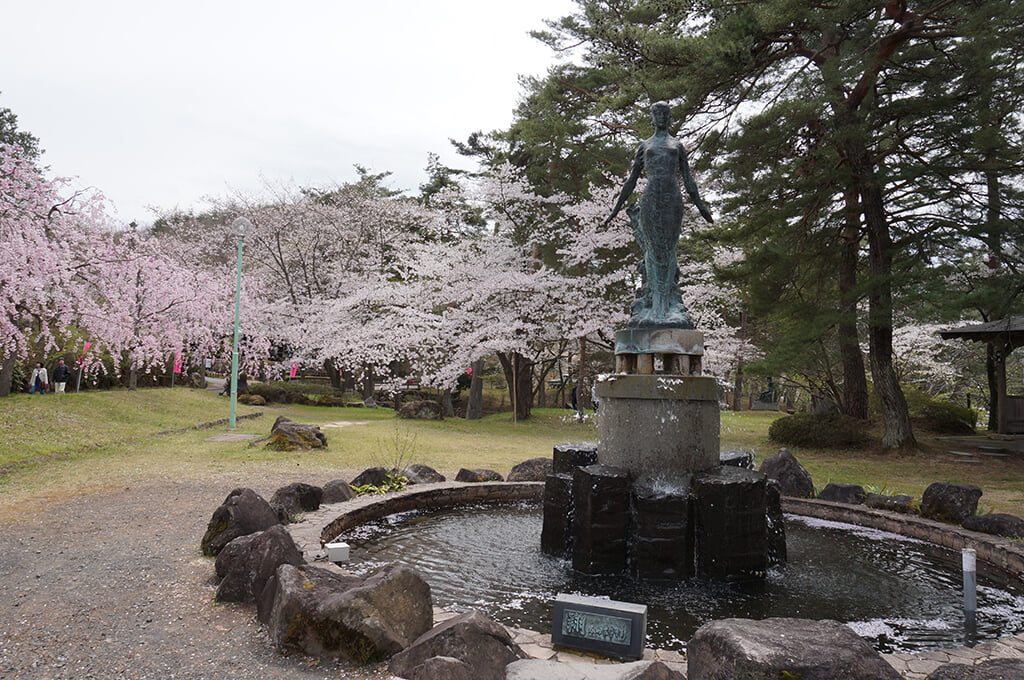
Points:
(291, 392)
(941, 416)
(819, 430)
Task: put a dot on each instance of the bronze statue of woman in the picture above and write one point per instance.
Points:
(657, 221)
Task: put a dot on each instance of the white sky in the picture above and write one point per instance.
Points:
(163, 103)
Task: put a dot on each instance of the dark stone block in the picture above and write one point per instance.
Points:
(596, 625)
(733, 649)
(996, 523)
(737, 458)
(568, 457)
(851, 494)
(950, 502)
(556, 533)
(297, 497)
(731, 528)
(794, 479)
(899, 503)
(776, 524)
(662, 540)
(600, 498)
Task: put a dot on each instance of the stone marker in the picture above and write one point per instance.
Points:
(731, 529)
(596, 625)
(770, 649)
(600, 499)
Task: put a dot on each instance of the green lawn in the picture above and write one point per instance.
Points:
(55, 446)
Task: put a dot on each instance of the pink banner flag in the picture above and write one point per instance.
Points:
(177, 362)
(295, 369)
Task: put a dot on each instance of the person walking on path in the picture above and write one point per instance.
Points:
(60, 377)
(39, 379)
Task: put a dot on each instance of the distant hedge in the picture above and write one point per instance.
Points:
(292, 391)
(819, 430)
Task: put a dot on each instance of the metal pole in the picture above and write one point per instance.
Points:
(234, 351)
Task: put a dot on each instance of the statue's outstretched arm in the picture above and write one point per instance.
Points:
(691, 186)
(627, 188)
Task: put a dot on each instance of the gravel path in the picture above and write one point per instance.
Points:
(114, 586)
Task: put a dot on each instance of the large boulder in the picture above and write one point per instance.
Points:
(997, 523)
(330, 400)
(421, 409)
(243, 512)
(993, 669)
(417, 473)
(197, 380)
(951, 503)
(336, 491)
(471, 638)
(851, 494)
(287, 435)
(248, 562)
(478, 475)
(899, 503)
(294, 498)
(321, 613)
(536, 669)
(375, 476)
(794, 480)
(533, 470)
(743, 649)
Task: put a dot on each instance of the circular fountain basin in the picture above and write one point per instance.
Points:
(901, 594)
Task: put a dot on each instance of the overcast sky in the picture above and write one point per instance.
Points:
(162, 104)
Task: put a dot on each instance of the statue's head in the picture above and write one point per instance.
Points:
(661, 115)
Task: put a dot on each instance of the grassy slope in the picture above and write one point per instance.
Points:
(55, 447)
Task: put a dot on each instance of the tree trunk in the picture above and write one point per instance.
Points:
(519, 376)
(7, 374)
(895, 415)
(446, 404)
(367, 383)
(582, 394)
(475, 405)
(133, 378)
(332, 373)
(855, 383)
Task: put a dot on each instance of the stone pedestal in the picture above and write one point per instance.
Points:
(731, 530)
(661, 428)
(662, 543)
(600, 519)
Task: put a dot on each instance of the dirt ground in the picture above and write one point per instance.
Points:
(113, 585)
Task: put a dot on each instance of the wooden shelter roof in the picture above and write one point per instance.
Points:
(1008, 331)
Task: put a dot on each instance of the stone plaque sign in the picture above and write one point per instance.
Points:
(604, 626)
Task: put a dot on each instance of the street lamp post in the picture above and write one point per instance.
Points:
(239, 228)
